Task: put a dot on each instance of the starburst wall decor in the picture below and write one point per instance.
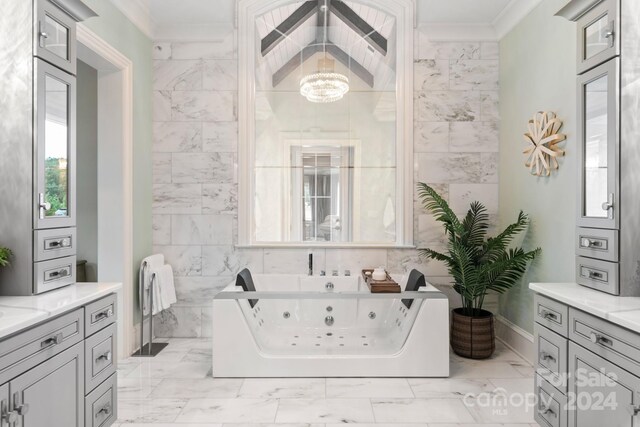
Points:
(543, 139)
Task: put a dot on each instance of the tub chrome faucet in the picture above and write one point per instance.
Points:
(329, 286)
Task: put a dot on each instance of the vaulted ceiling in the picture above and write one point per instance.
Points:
(356, 36)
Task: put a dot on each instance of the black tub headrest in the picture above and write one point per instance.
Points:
(415, 281)
(245, 281)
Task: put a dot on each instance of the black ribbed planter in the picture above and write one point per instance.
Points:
(472, 336)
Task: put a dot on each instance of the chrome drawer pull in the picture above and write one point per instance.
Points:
(106, 409)
(63, 272)
(103, 315)
(595, 275)
(106, 356)
(588, 243)
(54, 340)
(549, 315)
(546, 356)
(61, 243)
(547, 411)
(600, 339)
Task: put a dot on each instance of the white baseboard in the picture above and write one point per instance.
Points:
(516, 338)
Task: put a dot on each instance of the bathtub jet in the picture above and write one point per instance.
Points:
(297, 326)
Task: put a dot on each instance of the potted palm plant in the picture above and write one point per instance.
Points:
(5, 257)
(478, 265)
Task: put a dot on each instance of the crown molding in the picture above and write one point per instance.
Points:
(458, 32)
(138, 12)
(511, 15)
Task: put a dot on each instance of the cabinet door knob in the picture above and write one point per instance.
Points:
(608, 205)
(22, 409)
(10, 417)
(43, 205)
(610, 33)
(634, 410)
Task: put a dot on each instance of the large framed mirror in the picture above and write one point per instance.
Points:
(326, 123)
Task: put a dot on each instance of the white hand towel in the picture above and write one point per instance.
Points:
(157, 293)
(153, 263)
(167, 287)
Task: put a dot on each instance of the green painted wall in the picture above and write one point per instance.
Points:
(112, 26)
(538, 73)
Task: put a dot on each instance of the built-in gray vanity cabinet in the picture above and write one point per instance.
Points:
(608, 107)
(37, 143)
(62, 373)
(587, 369)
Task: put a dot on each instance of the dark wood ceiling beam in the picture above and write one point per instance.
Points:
(359, 25)
(295, 62)
(288, 26)
(354, 66)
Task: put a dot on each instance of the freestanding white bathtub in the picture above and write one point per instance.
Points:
(300, 327)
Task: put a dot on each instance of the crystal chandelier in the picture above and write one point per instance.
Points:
(326, 85)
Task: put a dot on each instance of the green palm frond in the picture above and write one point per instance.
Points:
(5, 257)
(440, 209)
(477, 264)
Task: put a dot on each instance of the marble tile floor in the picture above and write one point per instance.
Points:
(176, 389)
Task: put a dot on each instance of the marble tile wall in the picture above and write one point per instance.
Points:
(195, 160)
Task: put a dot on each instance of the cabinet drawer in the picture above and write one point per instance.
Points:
(597, 243)
(100, 351)
(99, 314)
(28, 349)
(551, 409)
(552, 314)
(101, 404)
(605, 339)
(55, 243)
(600, 275)
(552, 357)
(54, 274)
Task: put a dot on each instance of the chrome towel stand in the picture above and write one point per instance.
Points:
(151, 349)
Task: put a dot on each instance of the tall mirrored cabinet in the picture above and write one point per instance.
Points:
(37, 149)
(608, 82)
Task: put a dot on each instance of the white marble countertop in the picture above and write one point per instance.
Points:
(18, 313)
(623, 311)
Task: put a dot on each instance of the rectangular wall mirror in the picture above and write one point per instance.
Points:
(325, 123)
